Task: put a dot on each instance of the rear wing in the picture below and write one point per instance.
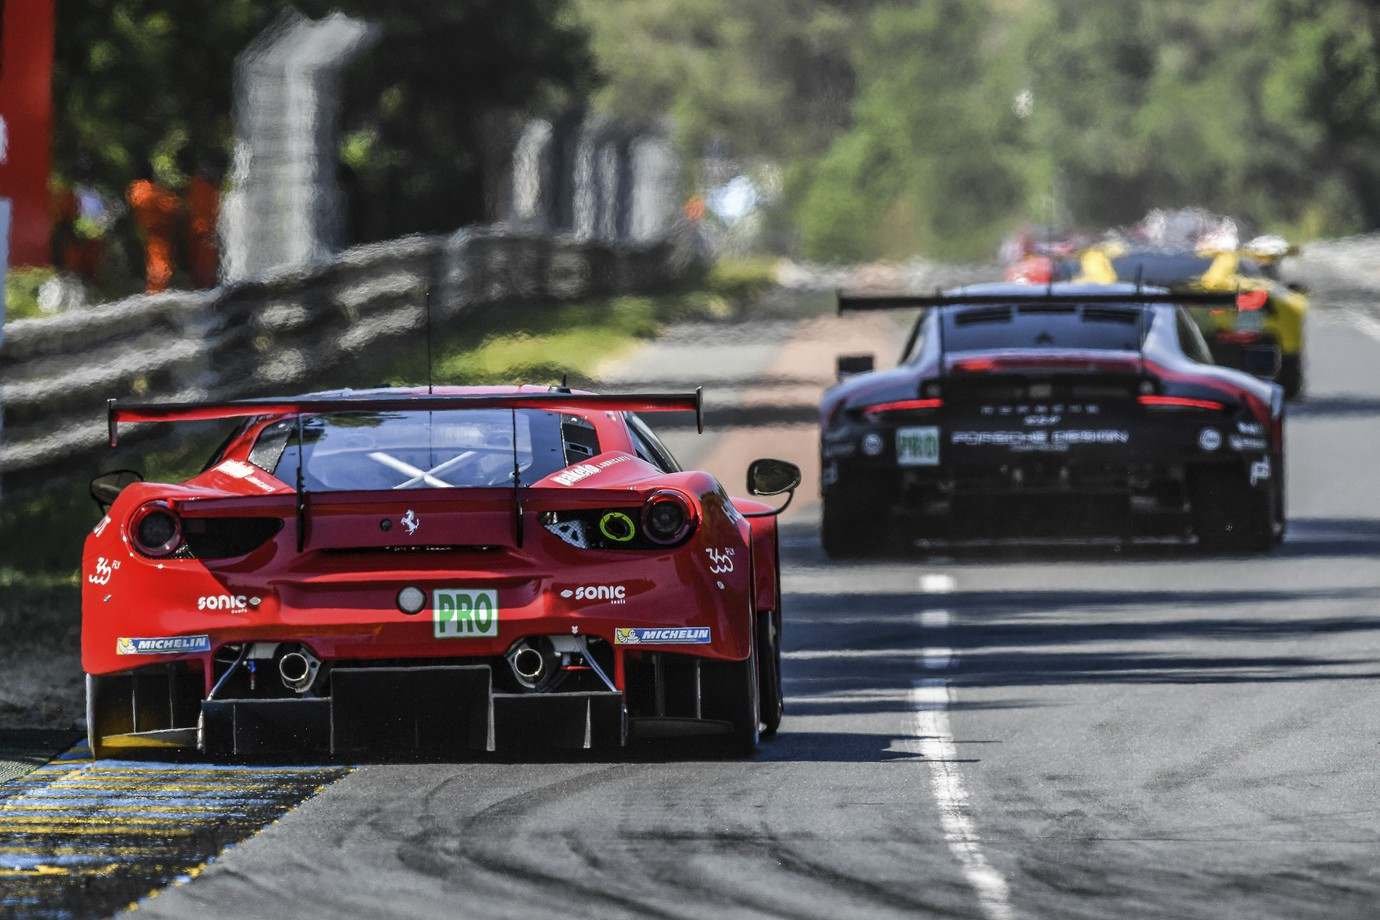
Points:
(118, 412)
(322, 405)
(856, 302)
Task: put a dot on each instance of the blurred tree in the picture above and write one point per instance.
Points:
(901, 126)
(931, 162)
(936, 124)
(752, 77)
(421, 104)
(136, 79)
(1268, 116)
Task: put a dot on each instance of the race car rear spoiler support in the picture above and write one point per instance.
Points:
(851, 302)
(249, 408)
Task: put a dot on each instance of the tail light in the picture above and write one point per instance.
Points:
(1180, 402)
(905, 405)
(667, 518)
(155, 529)
(975, 365)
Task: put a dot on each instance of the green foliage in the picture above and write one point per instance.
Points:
(923, 168)
(138, 80)
(898, 128)
(761, 77)
(21, 292)
(741, 279)
(422, 111)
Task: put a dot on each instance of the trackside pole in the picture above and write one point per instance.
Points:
(4, 270)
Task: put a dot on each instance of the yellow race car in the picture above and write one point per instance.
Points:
(1266, 341)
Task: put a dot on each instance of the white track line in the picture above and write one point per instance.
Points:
(936, 584)
(938, 659)
(930, 699)
(934, 619)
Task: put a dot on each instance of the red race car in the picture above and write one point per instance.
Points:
(406, 572)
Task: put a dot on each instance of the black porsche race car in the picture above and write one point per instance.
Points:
(1091, 412)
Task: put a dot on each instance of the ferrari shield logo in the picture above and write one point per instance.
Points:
(410, 522)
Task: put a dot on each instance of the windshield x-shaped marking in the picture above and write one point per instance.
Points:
(431, 477)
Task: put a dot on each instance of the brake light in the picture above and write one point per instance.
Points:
(666, 518)
(1180, 402)
(1252, 300)
(155, 529)
(976, 364)
(905, 405)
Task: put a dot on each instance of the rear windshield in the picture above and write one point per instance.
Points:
(1111, 327)
(1171, 269)
(1161, 269)
(423, 450)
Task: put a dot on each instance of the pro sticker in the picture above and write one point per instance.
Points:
(465, 613)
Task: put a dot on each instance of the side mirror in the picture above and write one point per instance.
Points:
(772, 477)
(849, 365)
(107, 487)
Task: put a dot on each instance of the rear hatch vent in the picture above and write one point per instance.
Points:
(225, 538)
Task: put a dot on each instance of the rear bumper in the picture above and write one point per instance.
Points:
(441, 711)
(1037, 498)
(351, 612)
(404, 710)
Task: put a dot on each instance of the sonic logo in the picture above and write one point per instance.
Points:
(615, 594)
(227, 603)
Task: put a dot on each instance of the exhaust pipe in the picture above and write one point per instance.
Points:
(534, 663)
(528, 664)
(298, 670)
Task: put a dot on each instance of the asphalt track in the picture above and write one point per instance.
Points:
(1073, 733)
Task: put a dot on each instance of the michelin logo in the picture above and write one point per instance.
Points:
(163, 645)
(655, 635)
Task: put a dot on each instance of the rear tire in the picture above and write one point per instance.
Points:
(847, 531)
(769, 671)
(1229, 515)
(744, 699)
(1291, 375)
(103, 716)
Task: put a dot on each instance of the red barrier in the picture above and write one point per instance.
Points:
(26, 118)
